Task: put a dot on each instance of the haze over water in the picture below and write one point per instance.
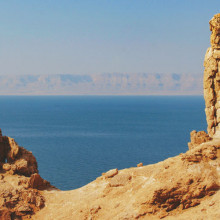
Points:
(77, 138)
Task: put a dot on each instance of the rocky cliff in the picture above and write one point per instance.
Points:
(183, 187)
(212, 78)
(19, 181)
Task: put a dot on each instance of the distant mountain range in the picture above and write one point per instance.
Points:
(102, 84)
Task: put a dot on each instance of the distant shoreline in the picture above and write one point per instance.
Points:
(69, 95)
(103, 84)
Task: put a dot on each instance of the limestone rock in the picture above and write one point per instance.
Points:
(13, 150)
(140, 165)
(20, 182)
(37, 182)
(15, 159)
(211, 81)
(110, 173)
(215, 28)
(198, 138)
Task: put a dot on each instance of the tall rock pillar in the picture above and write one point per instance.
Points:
(212, 79)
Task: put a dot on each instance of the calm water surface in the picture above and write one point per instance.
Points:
(76, 138)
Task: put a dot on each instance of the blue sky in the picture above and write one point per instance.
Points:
(99, 36)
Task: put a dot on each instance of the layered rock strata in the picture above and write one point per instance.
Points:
(212, 79)
(20, 183)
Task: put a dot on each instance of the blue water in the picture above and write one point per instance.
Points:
(76, 139)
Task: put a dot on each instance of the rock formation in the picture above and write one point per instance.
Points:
(145, 192)
(19, 181)
(198, 138)
(212, 79)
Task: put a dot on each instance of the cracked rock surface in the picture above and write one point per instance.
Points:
(20, 183)
(211, 81)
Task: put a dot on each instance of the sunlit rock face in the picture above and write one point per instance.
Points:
(212, 79)
(20, 182)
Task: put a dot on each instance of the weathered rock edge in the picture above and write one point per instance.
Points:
(161, 190)
(211, 80)
(20, 182)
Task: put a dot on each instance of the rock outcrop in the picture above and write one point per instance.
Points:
(212, 79)
(19, 181)
(163, 190)
(198, 138)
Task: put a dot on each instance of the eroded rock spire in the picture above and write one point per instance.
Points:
(212, 79)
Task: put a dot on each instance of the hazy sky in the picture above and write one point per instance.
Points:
(96, 36)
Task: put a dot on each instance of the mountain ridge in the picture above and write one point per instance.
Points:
(102, 84)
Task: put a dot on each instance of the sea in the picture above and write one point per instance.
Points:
(77, 138)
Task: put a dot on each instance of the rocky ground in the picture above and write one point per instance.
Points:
(185, 186)
(20, 183)
(182, 187)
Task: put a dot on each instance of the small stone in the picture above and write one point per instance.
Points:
(37, 182)
(211, 203)
(195, 203)
(140, 165)
(39, 202)
(110, 173)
